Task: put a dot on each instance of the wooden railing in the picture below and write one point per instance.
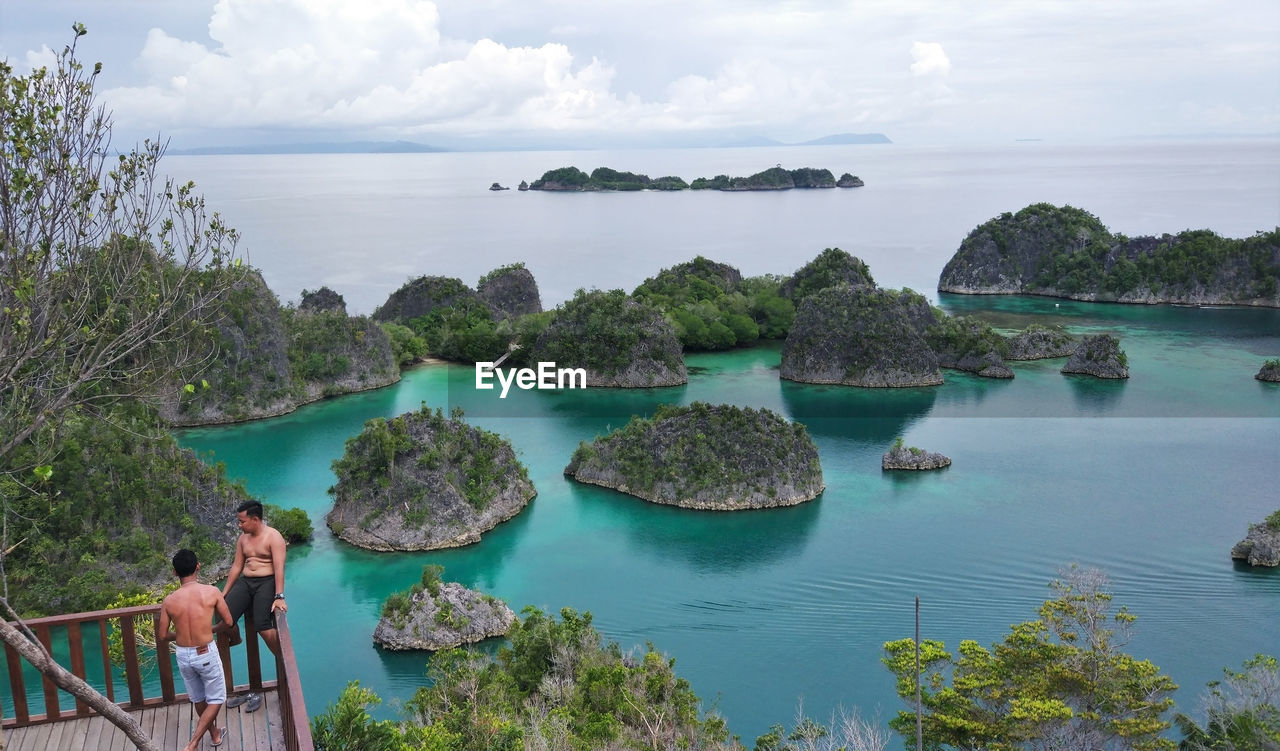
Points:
(288, 684)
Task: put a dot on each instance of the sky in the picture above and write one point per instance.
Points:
(598, 73)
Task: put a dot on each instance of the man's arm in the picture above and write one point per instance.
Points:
(224, 615)
(277, 565)
(163, 634)
(237, 565)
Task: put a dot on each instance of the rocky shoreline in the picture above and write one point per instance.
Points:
(912, 458)
(449, 617)
(1261, 546)
(707, 457)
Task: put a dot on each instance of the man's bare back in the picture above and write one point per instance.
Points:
(190, 610)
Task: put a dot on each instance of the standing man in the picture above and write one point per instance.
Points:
(190, 610)
(256, 582)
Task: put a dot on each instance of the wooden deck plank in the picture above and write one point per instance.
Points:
(78, 735)
(169, 726)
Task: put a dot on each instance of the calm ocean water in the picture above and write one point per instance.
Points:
(1152, 480)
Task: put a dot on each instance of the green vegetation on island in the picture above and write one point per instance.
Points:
(117, 498)
(556, 685)
(1067, 252)
(861, 336)
(830, 268)
(777, 178)
(433, 615)
(572, 179)
(716, 457)
(447, 319)
(266, 360)
(422, 481)
(712, 307)
(1270, 371)
(620, 341)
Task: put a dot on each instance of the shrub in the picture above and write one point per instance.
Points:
(292, 523)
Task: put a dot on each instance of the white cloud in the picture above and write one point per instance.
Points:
(800, 69)
(929, 59)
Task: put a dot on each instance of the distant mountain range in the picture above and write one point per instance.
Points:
(839, 139)
(409, 147)
(345, 147)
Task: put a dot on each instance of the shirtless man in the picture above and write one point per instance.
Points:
(190, 610)
(256, 581)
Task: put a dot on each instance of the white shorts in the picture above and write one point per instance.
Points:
(201, 670)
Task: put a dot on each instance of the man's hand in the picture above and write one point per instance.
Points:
(278, 605)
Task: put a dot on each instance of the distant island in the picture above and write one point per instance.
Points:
(574, 180)
(1067, 252)
(714, 457)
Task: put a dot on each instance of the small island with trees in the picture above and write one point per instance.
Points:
(422, 481)
(573, 180)
(434, 615)
(713, 457)
(1063, 251)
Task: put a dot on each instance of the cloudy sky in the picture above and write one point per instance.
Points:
(616, 72)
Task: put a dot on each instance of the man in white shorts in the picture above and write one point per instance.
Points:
(190, 611)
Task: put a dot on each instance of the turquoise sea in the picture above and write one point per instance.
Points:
(1152, 479)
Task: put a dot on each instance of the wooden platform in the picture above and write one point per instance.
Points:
(169, 726)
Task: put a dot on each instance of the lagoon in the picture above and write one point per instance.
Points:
(1152, 479)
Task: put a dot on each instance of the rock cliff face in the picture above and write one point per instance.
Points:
(1037, 342)
(713, 457)
(333, 353)
(451, 617)
(423, 295)
(1067, 252)
(904, 457)
(1270, 372)
(510, 292)
(421, 482)
(967, 344)
(860, 336)
(270, 360)
(1261, 547)
(1099, 356)
(620, 342)
(322, 300)
(849, 181)
(249, 375)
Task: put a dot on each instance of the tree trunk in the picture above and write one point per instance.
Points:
(73, 685)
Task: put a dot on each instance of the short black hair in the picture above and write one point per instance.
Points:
(184, 562)
(252, 508)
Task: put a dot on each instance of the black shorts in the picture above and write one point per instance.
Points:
(256, 592)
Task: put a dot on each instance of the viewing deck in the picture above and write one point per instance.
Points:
(68, 724)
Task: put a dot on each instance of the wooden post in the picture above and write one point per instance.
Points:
(919, 712)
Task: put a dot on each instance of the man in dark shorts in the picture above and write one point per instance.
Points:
(256, 582)
(189, 610)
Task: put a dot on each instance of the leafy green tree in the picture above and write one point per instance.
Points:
(292, 523)
(1242, 711)
(1058, 682)
(103, 274)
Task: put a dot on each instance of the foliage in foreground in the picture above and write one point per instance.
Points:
(1060, 681)
(1242, 711)
(121, 496)
(557, 686)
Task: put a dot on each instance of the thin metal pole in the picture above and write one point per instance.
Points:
(919, 716)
